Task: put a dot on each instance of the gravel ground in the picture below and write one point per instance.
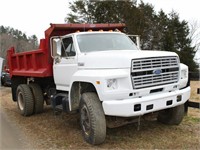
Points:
(47, 131)
(10, 135)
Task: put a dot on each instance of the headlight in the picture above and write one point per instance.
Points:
(184, 74)
(112, 83)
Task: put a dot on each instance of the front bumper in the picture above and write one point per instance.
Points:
(145, 104)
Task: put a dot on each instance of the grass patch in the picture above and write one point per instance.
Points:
(192, 119)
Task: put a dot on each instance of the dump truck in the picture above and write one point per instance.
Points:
(96, 70)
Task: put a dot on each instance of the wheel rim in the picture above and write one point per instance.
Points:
(20, 101)
(85, 120)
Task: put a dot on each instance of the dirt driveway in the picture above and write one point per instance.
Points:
(47, 131)
(11, 137)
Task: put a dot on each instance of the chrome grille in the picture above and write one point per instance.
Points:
(150, 72)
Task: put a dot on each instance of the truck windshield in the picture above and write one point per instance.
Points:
(104, 42)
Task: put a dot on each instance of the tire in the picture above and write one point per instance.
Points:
(25, 100)
(38, 97)
(92, 119)
(172, 116)
(15, 82)
(2, 83)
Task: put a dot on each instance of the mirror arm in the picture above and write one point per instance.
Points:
(57, 59)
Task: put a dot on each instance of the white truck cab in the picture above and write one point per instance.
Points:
(126, 81)
(125, 78)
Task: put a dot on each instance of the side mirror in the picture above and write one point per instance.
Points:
(55, 46)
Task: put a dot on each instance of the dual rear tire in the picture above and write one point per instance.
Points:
(29, 99)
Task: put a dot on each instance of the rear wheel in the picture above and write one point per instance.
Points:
(172, 116)
(92, 119)
(38, 97)
(25, 100)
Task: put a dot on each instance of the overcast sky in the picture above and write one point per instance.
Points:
(34, 16)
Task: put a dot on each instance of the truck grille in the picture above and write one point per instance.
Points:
(150, 72)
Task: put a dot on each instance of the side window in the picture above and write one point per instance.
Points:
(67, 49)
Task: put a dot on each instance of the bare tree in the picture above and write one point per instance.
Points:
(195, 34)
(195, 37)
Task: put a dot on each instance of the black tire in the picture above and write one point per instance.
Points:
(38, 97)
(172, 116)
(25, 100)
(2, 83)
(15, 82)
(92, 119)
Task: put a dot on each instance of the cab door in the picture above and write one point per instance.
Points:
(65, 65)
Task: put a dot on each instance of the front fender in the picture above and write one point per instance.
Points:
(98, 78)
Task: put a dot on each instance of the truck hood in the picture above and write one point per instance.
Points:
(116, 59)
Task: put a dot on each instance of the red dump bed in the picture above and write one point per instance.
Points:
(35, 63)
(38, 63)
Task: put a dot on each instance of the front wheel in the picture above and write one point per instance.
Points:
(172, 116)
(92, 119)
